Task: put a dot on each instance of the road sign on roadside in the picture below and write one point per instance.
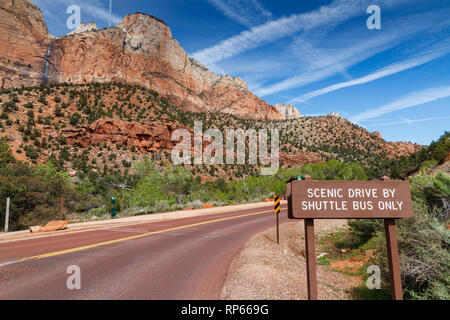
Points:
(385, 199)
(277, 204)
(350, 200)
(277, 201)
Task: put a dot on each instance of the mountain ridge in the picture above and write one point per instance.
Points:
(139, 50)
(88, 75)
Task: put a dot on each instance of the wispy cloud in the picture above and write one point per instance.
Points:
(100, 13)
(338, 59)
(245, 12)
(333, 14)
(384, 72)
(410, 100)
(405, 121)
(342, 57)
(315, 57)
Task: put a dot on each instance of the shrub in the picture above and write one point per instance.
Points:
(62, 140)
(31, 152)
(58, 112)
(423, 240)
(34, 193)
(29, 105)
(75, 119)
(424, 249)
(6, 156)
(334, 170)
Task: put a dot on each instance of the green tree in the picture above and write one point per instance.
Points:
(75, 119)
(5, 153)
(334, 170)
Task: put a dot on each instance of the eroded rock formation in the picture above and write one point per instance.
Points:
(139, 50)
(289, 111)
(150, 137)
(24, 42)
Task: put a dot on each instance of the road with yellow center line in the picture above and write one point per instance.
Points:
(175, 259)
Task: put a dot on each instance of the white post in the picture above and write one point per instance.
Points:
(110, 12)
(7, 215)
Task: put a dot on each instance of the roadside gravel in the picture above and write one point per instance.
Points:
(267, 271)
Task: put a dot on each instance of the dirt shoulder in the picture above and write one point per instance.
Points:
(268, 271)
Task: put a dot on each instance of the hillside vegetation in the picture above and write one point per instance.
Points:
(35, 190)
(39, 121)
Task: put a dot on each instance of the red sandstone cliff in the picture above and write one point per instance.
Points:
(139, 50)
(150, 137)
(23, 44)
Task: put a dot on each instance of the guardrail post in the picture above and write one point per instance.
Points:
(7, 215)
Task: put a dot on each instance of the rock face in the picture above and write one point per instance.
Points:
(378, 134)
(91, 26)
(146, 138)
(289, 111)
(139, 50)
(24, 42)
(300, 159)
(405, 147)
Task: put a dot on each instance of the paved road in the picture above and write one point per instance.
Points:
(177, 259)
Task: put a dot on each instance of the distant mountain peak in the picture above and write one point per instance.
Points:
(289, 111)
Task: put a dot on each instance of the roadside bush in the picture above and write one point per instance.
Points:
(334, 170)
(423, 240)
(364, 229)
(34, 193)
(424, 249)
(41, 214)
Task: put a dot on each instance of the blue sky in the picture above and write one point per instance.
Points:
(318, 55)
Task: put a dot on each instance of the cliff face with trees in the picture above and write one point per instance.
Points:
(23, 44)
(139, 50)
(112, 125)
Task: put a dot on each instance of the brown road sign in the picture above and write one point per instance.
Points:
(385, 199)
(350, 199)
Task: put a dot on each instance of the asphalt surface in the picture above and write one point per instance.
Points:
(177, 259)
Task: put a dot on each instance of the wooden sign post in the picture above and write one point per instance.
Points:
(61, 208)
(389, 200)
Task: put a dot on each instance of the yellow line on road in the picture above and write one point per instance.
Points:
(56, 253)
